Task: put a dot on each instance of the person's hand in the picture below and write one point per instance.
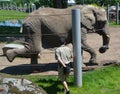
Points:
(66, 70)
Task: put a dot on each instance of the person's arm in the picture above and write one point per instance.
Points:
(61, 62)
(58, 58)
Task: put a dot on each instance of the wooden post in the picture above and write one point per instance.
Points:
(34, 59)
(34, 62)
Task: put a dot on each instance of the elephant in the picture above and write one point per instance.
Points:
(46, 27)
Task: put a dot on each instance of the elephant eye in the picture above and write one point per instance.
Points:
(31, 31)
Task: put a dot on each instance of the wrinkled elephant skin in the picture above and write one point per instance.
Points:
(45, 27)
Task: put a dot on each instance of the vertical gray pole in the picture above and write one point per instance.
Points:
(29, 7)
(117, 13)
(76, 31)
(25, 7)
(108, 12)
(83, 2)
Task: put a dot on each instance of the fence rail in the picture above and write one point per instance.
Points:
(22, 8)
(113, 15)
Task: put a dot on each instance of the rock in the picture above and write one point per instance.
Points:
(4, 89)
(19, 86)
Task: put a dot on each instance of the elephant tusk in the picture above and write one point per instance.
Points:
(21, 29)
(108, 36)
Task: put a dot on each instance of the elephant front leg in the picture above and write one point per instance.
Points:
(106, 40)
(91, 51)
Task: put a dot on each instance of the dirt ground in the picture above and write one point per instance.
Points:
(47, 63)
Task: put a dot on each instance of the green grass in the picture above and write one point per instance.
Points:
(100, 81)
(9, 15)
(114, 24)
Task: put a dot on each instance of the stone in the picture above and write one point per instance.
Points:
(19, 86)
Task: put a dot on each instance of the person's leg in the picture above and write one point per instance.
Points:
(63, 79)
(65, 85)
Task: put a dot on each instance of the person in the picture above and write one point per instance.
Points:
(63, 55)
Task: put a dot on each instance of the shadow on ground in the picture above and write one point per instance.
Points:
(29, 68)
(53, 88)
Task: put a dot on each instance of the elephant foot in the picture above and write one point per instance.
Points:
(93, 61)
(10, 55)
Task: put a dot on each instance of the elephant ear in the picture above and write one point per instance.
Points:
(87, 17)
(100, 14)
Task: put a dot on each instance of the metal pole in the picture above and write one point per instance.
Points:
(76, 31)
(83, 2)
(108, 12)
(117, 13)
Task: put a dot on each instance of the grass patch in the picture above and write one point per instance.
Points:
(114, 24)
(100, 81)
(10, 14)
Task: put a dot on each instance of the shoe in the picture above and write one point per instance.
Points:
(68, 92)
(63, 90)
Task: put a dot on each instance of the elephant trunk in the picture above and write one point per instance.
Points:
(106, 40)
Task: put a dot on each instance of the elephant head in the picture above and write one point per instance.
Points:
(94, 19)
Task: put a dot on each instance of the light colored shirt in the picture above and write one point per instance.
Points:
(65, 53)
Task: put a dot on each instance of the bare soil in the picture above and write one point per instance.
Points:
(47, 63)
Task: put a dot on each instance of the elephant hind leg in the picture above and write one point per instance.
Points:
(91, 51)
(86, 47)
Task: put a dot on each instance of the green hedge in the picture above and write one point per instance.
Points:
(9, 30)
(98, 2)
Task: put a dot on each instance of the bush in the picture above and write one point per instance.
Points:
(9, 30)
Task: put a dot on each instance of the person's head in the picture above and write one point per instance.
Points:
(62, 41)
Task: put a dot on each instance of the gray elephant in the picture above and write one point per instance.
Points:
(45, 27)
